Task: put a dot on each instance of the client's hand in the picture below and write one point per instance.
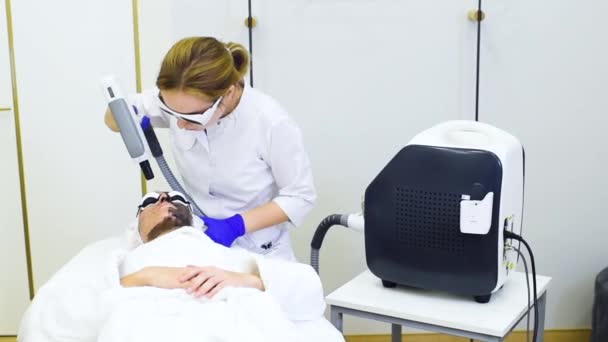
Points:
(208, 281)
(163, 277)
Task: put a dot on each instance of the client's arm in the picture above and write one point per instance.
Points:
(295, 286)
(208, 280)
(163, 277)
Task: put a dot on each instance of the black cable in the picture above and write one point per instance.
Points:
(523, 258)
(317, 239)
(478, 58)
(523, 197)
(323, 227)
(250, 26)
(510, 235)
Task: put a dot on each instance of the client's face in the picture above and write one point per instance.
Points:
(162, 212)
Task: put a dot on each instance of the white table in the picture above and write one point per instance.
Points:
(364, 296)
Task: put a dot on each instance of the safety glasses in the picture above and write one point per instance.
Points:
(153, 197)
(195, 118)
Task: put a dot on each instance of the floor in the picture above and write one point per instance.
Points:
(550, 336)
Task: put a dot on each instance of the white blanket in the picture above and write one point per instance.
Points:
(87, 303)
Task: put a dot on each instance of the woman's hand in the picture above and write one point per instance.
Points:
(162, 277)
(208, 281)
(110, 122)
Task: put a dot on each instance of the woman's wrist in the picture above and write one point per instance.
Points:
(129, 280)
(264, 216)
(139, 278)
(254, 281)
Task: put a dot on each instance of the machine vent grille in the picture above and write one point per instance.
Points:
(429, 220)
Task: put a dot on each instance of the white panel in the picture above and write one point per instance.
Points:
(361, 78)
(81, 185)
(544, 76)
(14, 296)
(164, 22)
(6, 95)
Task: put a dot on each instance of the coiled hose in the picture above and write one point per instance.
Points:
(157, 153)
(175, 185)
(317, 239)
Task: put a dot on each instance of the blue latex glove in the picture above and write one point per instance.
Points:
(224, 231)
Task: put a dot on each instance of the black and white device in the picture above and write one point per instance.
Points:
(445, 213)
(435, 215)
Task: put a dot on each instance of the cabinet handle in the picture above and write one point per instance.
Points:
(254, 22)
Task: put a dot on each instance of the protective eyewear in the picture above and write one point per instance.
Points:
(195, 118)
(175, 197)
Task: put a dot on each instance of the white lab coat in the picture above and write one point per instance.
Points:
(252, 156)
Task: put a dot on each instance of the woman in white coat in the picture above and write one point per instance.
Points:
(239, 154)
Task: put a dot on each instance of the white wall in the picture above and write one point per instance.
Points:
(545, 71)
(361, 78)
(14, 295)
(81, 185)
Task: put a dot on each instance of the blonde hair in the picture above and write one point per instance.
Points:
(203, 66)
